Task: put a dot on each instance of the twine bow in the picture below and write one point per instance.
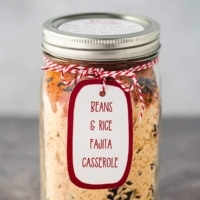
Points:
(100, 73)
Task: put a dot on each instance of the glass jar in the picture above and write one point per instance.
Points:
(100, 108)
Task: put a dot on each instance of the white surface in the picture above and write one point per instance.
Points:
(103, 26)
(82, 134)
(20, 52)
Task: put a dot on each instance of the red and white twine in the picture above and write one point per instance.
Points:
(100, 73)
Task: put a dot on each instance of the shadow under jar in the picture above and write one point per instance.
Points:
(119, 159)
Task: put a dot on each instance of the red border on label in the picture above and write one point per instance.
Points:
(72, 175)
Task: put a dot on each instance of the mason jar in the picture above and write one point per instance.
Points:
(100, 107)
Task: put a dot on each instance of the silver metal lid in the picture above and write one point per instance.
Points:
(101, 37)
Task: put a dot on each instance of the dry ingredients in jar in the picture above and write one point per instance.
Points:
(99, 120)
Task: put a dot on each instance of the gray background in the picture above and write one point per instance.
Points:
(21, 56)
(20, 61)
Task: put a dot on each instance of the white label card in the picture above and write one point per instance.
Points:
(99, 141)
(101, 26)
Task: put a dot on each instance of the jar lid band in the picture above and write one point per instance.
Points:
(101, 37)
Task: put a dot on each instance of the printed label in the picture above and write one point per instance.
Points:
(101, 26)
(99, 146)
